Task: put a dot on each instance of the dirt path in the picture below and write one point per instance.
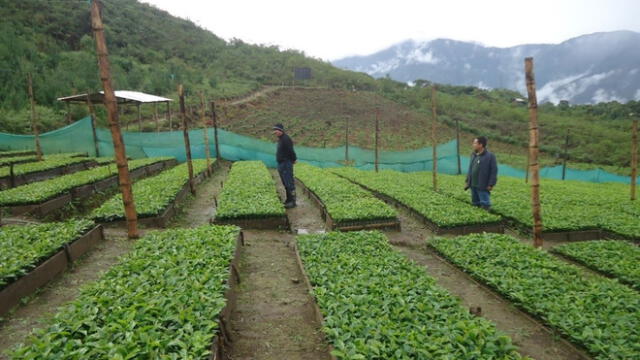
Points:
(274, 318)
(254, 95)
(199, 210)
(530, 336)
(304, 218)
(34, 314)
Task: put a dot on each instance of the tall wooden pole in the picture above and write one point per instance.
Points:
(634, 158)
(92, 113)
(68, 113)
(34, 119)
(533, 152)
(139, 118)
(225, 105)
(185, 132)
(205, 128)
(377, 139)
(434, 137)
(458, 145)
(565, 156)
(215, 129)
(526, 174)
(169, 115)
(155, 116)
(346, 142)
(114, 125)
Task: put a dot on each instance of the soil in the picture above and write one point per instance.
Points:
(274, 315)
(200, 209)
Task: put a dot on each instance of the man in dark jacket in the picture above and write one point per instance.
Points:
(482, 175)
(286, 157)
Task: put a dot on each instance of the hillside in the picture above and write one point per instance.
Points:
(592, 68)
(153, 51)
(317, 117)
(150, 51)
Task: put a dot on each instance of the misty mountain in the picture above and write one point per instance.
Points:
(593, 68)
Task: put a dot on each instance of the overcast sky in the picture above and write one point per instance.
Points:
(331, 29)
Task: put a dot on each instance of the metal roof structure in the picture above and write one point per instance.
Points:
(122, 97)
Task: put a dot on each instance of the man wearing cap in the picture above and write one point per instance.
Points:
(482, 175)
(286, 157)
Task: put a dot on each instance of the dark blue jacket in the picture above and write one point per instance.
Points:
(488, 172)
(285, 150)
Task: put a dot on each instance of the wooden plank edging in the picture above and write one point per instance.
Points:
(49, 269)
(223, 338)
(312, 303)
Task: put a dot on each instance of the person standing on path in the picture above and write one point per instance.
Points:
(482, 175)
(286, 157)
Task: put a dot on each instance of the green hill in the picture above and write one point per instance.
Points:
(317, 117)
(150, 51)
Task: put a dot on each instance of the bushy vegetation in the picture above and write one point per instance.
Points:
(150, 51)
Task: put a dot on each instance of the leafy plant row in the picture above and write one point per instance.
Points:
(248, 193)
(41, 191)
(16, 159)
(377, 304)
(48, 163)
(417, 194)
(22, 248)
(152, 195)
(14, 153)
(344, 201)
(160, 302)
(616, 258)
(598, 313)
(566, 205)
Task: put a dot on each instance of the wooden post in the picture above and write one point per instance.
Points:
(565, 156)
(533, 152)
(377, 158)
(215, 129)
(92, 113)
(458, 145)
(139, 118)
(434, 142)
(225, 105)
(12, 176)
(346, 142)
(205, 128)
(634, 158)
(185, 132)
(169, 115)
(34, 119)
(526, 174)
(111, 104)
(155, 116)
(68, 113)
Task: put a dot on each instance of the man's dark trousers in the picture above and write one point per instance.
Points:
(285, 169)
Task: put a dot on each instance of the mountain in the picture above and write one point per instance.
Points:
(593, 68)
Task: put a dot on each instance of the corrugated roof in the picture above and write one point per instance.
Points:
(122, 96)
